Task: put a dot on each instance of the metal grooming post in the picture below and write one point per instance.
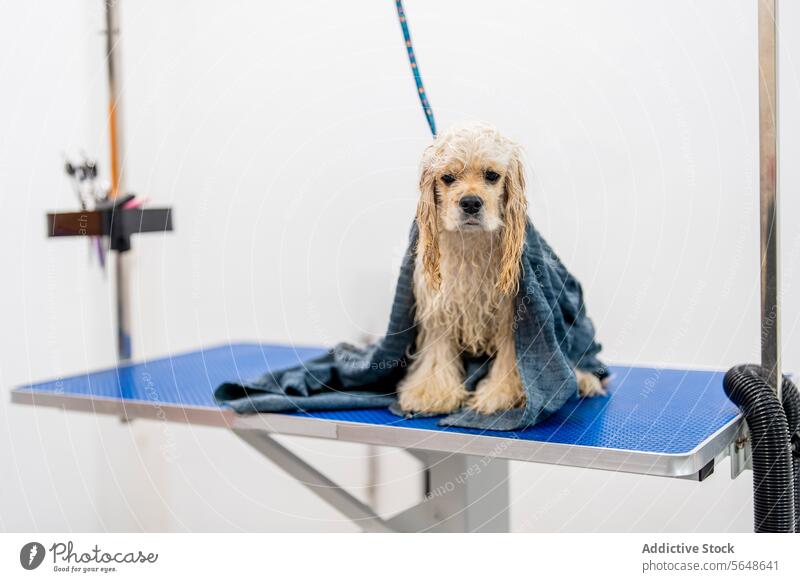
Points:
(768, 188)
(117, 156)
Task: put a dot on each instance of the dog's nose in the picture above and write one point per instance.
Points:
(471, 204)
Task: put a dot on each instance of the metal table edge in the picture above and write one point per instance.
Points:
(603, 458)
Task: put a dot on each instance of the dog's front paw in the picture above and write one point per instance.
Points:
(431, 397)
(589, 385)
(490, 397)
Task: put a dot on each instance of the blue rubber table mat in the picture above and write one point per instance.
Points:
(657, 410)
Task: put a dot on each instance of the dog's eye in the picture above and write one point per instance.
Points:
(448, 179)
(491, 176)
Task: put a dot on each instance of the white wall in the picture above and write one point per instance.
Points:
(52, 308)
(287, 135)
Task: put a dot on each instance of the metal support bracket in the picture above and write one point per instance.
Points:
(740, 452)
(468, 493)
(359, 513)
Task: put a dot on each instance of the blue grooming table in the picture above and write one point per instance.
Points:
(655, 421)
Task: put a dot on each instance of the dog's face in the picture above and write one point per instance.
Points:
(472, 180)
(470, 197)
(468, 166)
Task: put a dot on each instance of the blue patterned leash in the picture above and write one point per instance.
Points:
(423, 99)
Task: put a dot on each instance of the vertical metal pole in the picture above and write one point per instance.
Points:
(117, 156)
(114, 100)
(768, 186)
(124, 351)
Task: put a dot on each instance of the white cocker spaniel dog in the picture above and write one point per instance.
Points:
(471, 216)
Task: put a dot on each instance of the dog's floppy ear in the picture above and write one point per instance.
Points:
(427, 221)
(515, 217)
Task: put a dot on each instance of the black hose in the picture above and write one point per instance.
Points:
(791, 405)
(774, 475)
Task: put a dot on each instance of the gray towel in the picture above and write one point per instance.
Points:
(553, 336)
